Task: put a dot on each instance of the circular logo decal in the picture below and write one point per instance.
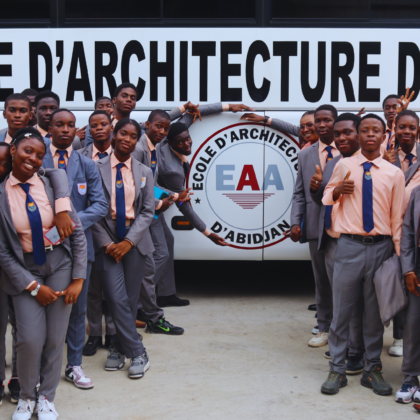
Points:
(243, 179)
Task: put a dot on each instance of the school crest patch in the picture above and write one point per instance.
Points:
(119, 184)
(31, 206)
(143, 181)
(368, 176)
(82, 188)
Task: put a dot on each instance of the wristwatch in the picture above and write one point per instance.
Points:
(36, 290)
(266, 119)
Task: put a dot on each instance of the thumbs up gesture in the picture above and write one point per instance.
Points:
(346, 187)
(316, 180)
(391, 154)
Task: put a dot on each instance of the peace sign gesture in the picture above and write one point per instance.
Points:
(404, 100)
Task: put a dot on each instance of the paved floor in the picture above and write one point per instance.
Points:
(244, 356)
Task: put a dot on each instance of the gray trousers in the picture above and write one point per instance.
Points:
(398, 323)
(147, 299)
(12, 321)
(411, 348)
(41, 330)
(356, 347)
(163, 241)
(94, 308)
(354, 269)
(4, 319)
(323, 292)
(121, 284)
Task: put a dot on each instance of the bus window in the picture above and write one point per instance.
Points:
(26, 9)
(389, 9)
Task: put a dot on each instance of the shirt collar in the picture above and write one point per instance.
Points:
(322, 145)
(114, 162)
(14, 181)
(8, 138)
(114, 121)
(95, 151)
(414, 151)
(183, 158)
(41, 130)
(150, 144)
(54, 150)
(377, 162)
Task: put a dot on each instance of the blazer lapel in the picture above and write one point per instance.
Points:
(416, 220)
(72, 168)
(105, 169)
(143, 139)
(50, 193)
(137, 174)
(5, 207)
(315, 154)
(3, 136)
(48, 161)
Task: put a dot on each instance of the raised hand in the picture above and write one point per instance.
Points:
(193, 110)
(403, 102)
(391, 154)
(361, 112)
(346, 187)
(239, 108)
(253, 117)
(316, 180)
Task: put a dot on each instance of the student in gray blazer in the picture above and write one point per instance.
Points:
(122, 241)
(304, 217)
(37, 276)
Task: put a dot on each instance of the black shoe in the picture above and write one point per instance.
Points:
(327, 355)
(163, 327)
(376, 381)
(108, 340)
(173, 300)
(334, 382)
(1, 393)
(355, 365)
(92, 345)
(141, 316)
(14, 390)
(312, 307)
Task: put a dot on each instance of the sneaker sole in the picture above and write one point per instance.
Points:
(78, 386)
(355, 372)
(402, 401)
(369, 385)
(116, 368)
(90, 353)
(327, 357)
(140, 375)
(416, 400)
(395, 355)
(149, 331)
(342, 385)
(13, 400)
(317, 345)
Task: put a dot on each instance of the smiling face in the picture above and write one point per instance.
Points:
(17, 114)
(124, 142)
(62, 130)
(45, 107)
(324, 125)
(125, 102)
(345, 138)
(100, 128)
(105, 105)
(406, 132)
(371, 134)
(157, 129)
(390, 110)
(28, 156)
(307, 128)
(5, 162)
(182, 143)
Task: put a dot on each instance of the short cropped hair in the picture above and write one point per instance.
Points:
(100, 112)
(125, 121)
(348, 116)
(158, 113)
(27, 132)
(101, 99)
(124, 86)
(328, 107)
(30, 92)
(17, 97)
(389, 97)
(365, 117)
(46, 94)
(58, 111)
(406, 112)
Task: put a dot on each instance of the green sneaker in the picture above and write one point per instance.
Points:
(162, 326)
(334, 382)
(376, 381)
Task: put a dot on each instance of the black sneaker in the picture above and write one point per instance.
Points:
(1, 393)
(92, 345)
(327, 355)
(334, 382)
(108, 340)
(173, 300)
(376, 381)
(14, 390)
(141, 316)
(312, 307)
(355, 365)
(163, 327)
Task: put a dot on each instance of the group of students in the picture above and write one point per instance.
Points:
(357, 203)
(83, 232)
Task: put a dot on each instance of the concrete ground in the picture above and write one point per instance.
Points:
(244, 355)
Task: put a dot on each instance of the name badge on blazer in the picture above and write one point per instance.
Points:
(82, 188)
(143, 182)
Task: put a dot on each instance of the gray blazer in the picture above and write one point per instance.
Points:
(104, 231)
(171, 172)
(410, 172)
(86, 151)
(398, 163)
(317, 198)
(303, 207)
(410, 233)
(16, 276)
(285, 127)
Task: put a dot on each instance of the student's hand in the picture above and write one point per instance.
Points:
(361, 112)
(45, 295)
(412, 283)
(239, 108)
(391, 154)
(193, 110)
(403, 102)
(185, 195)
(253, 117)
(295, 233)
(217, 239)
(166, 203)
(64, 224)
(120, 250)
(81, 132)
(316, 180)
(346, 187)
(72, 292)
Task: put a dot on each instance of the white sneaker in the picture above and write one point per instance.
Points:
(416, 397)
(46, 409)
(321, 339)
(405, 394)
(24, 410)
(315, 330)
(396, 349)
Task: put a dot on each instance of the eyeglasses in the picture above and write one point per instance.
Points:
(308, 125)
